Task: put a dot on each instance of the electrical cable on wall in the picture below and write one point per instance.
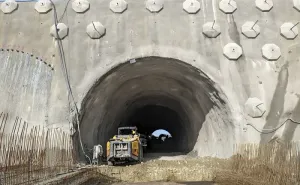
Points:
(272, 130)
(64, 12)
(65, 72)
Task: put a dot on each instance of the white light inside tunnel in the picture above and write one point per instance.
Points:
(161, 141)
(161, 135)
(158, 132)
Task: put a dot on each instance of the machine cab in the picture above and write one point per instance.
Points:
(127, 130)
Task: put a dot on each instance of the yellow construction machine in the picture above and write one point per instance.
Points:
(127, 146)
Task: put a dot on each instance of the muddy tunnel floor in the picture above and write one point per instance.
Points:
(152, 93)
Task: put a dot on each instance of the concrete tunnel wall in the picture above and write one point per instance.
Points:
(172, 34)
(164, 82)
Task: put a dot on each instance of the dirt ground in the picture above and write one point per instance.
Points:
(168, 168)
(267, 167)
(168, 183)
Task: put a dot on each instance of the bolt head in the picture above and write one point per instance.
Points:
(95, 30)
(255, 108)
(264, 5)
(250, 30)
(271, 52)
(154, 6)
(191, 6)
(118, 6)
(43, 6)
(232, 51)
(228, 6)
(62, 31)
(9, 6)
(287, 32)
(211, 30)
(297, 4)
(80, 6)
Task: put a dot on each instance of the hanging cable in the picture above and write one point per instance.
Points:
(64, 12)
(272, 130)
(66, 76)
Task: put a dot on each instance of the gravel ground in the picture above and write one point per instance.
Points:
(174, 169)
(166, 170)
(165, 156)
(168, 183)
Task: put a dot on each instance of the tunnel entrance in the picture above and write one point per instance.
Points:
(152, 93)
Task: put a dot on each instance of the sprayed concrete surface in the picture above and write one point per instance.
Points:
(176, 67)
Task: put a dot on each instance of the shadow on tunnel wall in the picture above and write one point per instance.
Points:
(152, 93)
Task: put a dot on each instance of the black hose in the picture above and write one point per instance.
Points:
(65, 72)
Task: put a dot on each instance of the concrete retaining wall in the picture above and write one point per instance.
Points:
(171, 33)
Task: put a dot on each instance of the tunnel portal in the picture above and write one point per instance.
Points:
(151, 93)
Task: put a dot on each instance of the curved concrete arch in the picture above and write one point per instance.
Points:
(207, 65)
(172, 33)
(157, 81)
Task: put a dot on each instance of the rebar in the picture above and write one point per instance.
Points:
(213, 24)
(252, 28)
(294, 25)
(31, 154)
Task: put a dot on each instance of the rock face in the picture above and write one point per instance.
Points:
(158, 67)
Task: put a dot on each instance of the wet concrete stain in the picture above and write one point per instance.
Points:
(241, 64)
(290, 128)
(233, 30)
(277, 104)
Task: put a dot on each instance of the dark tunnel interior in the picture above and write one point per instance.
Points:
(153, 117)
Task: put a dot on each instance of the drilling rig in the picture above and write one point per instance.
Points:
(127, 146)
